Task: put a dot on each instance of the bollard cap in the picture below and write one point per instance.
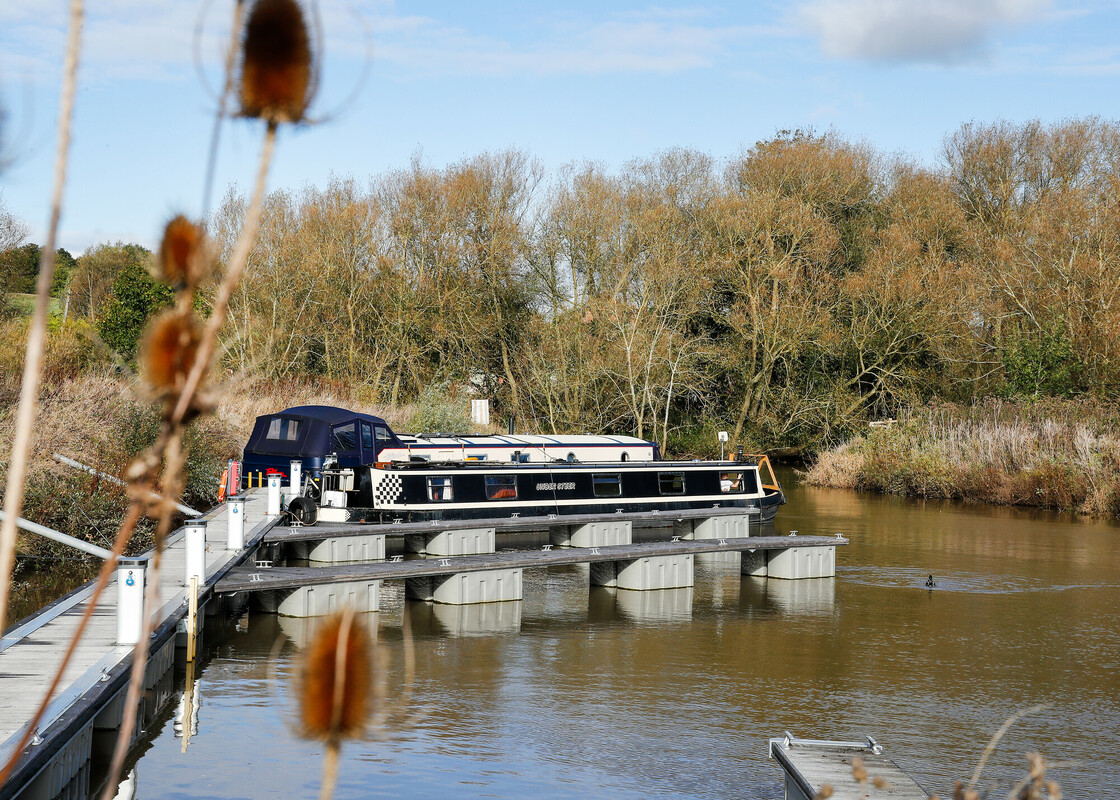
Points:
(235, 499)
(195, 523)
(132, 562)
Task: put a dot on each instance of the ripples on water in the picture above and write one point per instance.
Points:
(674, 694)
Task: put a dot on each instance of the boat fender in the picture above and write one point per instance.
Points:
(304, 510)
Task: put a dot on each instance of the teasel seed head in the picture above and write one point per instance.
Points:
(169, 350)
(276, 63)
(336, 679)
(183, 257)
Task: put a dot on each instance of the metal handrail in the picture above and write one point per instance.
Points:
(58, 536)
(190, 512)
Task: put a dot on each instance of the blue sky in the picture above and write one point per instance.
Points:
(565, 81)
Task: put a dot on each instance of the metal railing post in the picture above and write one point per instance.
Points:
(196, 551)
(130, 599)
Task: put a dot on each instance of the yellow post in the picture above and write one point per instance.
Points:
(188, 705)
(192, 617)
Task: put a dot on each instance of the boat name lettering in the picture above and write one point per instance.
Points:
(556, 487)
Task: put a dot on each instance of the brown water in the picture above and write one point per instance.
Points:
(624, 695)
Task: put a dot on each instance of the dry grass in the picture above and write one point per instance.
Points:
(101, 419)
(1060, 455)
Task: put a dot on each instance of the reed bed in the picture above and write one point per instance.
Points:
(1051, 454)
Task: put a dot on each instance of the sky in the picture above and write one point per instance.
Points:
(566, 81)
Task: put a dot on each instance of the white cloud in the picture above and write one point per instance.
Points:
(139, 39)
(931, 31)
(656, 41)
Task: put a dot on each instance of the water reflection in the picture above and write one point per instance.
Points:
(591, 691)
(803, 597)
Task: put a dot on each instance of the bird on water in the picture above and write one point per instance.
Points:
(930, 582)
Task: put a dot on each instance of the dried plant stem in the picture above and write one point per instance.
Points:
(234, 270)
(124, 533)
(999, 734)
(330, 770)
(227, 88)
(36, 339)
(172, 488)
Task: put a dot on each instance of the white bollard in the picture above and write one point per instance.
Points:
(295, 471)
(235, 517)
(196, 551)
(273, 495)
(130, 599)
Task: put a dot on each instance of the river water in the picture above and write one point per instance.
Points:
(579, 692)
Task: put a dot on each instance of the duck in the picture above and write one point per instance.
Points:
(930, 582)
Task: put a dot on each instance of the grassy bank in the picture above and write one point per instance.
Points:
(103, 420)
(1050, 454)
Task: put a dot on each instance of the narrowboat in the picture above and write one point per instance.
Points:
(356, 469)
(422, 491)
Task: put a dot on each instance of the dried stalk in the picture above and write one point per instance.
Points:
(172, 489)
(1003, 729)
(236, 267)
(36, 339)
(227, 88)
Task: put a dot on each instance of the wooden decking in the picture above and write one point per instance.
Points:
(31, 651)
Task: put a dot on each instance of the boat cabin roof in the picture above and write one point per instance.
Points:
(306, 431)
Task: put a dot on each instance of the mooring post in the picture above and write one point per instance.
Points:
(130, 599)
(196, 551)
(273, 495)
(235, 520)
(192, 616)
(295, 472)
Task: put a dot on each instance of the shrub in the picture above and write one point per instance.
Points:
(437, 411)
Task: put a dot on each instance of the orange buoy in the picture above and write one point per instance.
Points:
(222, 485)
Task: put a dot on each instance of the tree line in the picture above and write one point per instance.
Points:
(795, 290)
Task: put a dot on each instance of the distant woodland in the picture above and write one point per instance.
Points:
(787, 295)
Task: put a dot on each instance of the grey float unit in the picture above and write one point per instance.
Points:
(464, 588)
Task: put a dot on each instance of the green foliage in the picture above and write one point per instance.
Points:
(19, 269)
(1042, 363)
(135, 297)
(64, 265)
(438, 411)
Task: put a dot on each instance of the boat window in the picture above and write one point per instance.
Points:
(440, 488)
(670, 482)
(367, 436)
(381, 433)
(571, 457)
(283, 429)
(345, 437)
(607, 485)
(625, 457)
(501, 487)
(731, 482)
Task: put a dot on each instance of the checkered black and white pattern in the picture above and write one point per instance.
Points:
(388, 491)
